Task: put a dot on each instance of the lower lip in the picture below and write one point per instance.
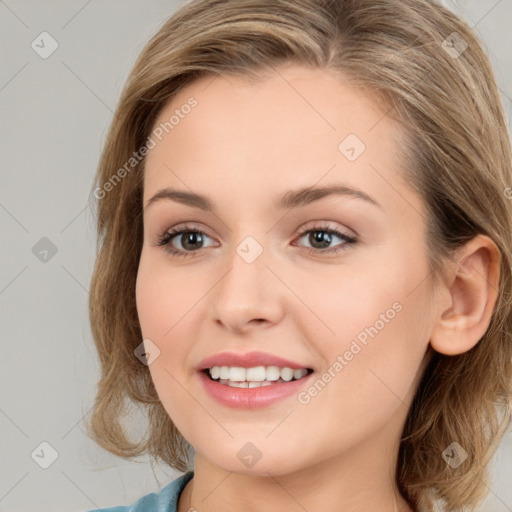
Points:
(251, 398)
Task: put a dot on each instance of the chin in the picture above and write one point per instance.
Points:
(249, 460)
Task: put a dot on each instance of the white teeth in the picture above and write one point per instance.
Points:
(255, 375)
(259, 384)
(238, 384)
(272, 373)
(223, 372)
(298, 374)
(247, 384)
(287, 374)
(236, 373)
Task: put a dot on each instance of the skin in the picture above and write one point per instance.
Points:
(244, 146)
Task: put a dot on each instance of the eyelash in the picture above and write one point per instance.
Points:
(165, 240)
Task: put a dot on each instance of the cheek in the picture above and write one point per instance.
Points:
(164, 299)
(340, 305)
(375, 320)
(161, 302)
(169, 307)
(371, 363)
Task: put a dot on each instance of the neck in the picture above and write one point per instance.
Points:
(360, 480)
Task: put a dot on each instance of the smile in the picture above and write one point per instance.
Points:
(253, 394)
(256, 376)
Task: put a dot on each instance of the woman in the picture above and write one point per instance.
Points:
(305, 258)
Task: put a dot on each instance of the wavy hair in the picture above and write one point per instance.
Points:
(431, 72)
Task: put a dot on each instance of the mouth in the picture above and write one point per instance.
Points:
(256, 376)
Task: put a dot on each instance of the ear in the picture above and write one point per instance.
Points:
(470, 292)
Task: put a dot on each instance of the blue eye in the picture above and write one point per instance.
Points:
(320, 235)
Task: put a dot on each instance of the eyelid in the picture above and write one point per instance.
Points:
(320, 224)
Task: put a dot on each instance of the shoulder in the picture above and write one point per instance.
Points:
(165, 500)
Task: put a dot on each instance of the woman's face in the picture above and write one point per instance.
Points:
(263, 275)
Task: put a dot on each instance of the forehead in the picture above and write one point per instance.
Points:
(294, 126)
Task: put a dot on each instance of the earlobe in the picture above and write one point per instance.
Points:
(472, 290)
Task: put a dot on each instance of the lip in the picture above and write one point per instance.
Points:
(251, 398)
(247, 360)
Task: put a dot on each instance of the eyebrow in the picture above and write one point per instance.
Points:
(292, 199)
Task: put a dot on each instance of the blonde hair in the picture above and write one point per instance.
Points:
(457, 151)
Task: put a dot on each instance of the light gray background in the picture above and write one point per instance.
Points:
(55, 113)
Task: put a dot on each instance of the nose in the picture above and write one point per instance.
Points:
(248, 295)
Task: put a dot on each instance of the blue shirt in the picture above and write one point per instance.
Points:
(165, 500)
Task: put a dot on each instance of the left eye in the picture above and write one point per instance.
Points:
(319, 238)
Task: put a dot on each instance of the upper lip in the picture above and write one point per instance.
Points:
(247, 360)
